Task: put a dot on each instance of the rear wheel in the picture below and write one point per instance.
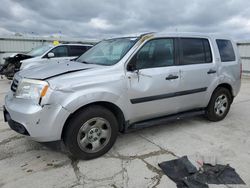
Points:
(91, 132)
(219, 104)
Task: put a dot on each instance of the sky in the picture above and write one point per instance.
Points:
(110, 18)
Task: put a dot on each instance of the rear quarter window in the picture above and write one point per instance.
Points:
(226, 50)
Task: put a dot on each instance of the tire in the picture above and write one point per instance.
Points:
(91, 132)
(9, 77)
(219, 104)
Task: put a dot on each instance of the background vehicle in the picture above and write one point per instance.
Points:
(12, 64)
(55, 54)
(41, 55)
(122, 84)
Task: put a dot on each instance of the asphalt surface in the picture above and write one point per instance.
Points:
(133, 161)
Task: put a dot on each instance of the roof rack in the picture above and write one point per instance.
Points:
(145, 34)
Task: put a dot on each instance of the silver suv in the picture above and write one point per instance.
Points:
(122, 84)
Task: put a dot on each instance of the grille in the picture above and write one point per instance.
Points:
(14, 85)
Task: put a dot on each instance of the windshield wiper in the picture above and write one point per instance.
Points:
(74, 59)
(85, 62)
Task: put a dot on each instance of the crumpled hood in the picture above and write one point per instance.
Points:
(52, 70)
(16, 58)
(19, 56)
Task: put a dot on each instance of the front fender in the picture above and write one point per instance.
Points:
(72, 101)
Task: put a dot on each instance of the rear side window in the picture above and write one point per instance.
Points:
(226, 50)
(77, 50)
(195, 51)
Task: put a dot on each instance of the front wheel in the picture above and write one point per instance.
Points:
(91, 132)
(219, 104)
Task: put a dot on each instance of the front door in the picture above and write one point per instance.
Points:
(60, 53)
(154, 83)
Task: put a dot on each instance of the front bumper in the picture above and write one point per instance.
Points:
(40, 123)
(13, 124)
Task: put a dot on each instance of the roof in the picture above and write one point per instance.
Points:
(192, 34)
(74, 44)
(179, 34)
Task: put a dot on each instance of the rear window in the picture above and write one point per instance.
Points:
(226, 50)
(195, 51)
(77, 50)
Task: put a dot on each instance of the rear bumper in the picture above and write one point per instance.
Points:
(40, 123)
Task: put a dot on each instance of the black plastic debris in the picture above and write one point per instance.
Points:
(185, 174)
(178, 169)
(189, 182)
(218, 174)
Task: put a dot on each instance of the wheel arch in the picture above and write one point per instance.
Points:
(227, 86)
(108, 105)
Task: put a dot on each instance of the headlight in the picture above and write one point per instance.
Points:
(32, 89)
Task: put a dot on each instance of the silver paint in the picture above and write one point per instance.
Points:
(115, 85)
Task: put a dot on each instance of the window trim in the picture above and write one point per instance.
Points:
(180, 50)
(175, 54)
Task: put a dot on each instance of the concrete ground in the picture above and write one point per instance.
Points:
(133, 161)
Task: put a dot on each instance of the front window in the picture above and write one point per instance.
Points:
(108, 52)
(60, 51)
(155, 53)
(38, 51)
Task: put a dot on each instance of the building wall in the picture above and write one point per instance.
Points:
(3, 55)
(244, 50)
(21, 46)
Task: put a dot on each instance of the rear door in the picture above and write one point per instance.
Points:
(152, 88)
(198, 72)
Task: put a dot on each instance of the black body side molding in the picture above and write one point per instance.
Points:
(165, 119)
(168, 95)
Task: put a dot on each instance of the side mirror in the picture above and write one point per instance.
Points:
(51, 54)
(132, 65)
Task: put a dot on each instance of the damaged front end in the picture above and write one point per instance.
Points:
(12, 65)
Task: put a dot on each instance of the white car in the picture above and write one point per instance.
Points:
(50, 53)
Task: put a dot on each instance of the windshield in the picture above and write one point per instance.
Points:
(107, 52)
(40, 50)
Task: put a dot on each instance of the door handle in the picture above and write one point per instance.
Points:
(211, 71)
(172, 77)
